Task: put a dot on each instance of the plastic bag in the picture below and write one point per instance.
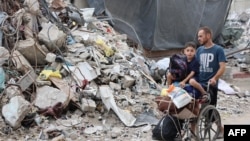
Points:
(167, 128)
(45, 74)
(180, 97)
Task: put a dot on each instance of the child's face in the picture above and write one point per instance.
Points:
(189, 52)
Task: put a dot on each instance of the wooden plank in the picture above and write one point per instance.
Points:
(150, 78)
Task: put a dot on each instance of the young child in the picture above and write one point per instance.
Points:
(192, 77)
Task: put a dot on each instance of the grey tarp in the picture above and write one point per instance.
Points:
(164, 24)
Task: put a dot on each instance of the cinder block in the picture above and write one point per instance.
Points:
(88, 105)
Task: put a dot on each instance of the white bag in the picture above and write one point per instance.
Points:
(180, 97)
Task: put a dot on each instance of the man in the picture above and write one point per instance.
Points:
(212, 60)
(212, 63)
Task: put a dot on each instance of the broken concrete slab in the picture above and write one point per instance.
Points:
(128, 81)
(33, 6)
(51, 36)
(115, 86)
(48, 96)
(15, 111)
(26, 46)
(108, 99)
(82, 71)
(20, 62)
(63, 86)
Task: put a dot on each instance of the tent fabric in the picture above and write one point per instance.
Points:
(165, 24)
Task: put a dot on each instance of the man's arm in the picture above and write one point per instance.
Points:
(218, 74)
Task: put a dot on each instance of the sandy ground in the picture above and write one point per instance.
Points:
(244, 117)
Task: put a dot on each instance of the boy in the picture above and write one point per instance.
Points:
(192, 71)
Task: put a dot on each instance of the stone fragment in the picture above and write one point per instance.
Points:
(48, 96)
(20, 62)
(51, 36)
(13, 91)
(50, 57)
(128, 81)
(88, 105)
(37, 57)
(15, 111)
(115, 86)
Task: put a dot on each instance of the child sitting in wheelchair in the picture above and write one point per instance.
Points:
(192, 75)
(190, 82)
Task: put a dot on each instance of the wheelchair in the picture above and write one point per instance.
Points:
(207, 123)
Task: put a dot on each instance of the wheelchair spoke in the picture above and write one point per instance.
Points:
(208, 123)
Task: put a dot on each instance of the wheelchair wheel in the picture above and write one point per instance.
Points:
(208, 124)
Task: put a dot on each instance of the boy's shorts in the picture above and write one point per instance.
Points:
(192, 91)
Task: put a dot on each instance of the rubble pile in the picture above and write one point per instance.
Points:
(64, 74)
(236, 35)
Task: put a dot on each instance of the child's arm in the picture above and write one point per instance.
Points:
(184, 81)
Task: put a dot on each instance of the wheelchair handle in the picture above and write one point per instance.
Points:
(208, 86)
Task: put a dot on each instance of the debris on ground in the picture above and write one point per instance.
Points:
(66, 75)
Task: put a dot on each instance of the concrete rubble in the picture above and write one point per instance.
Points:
(236, 33)
(47, 96)
(73, 79)
(15, 111)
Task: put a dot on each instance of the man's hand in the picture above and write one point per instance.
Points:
(212, 81)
